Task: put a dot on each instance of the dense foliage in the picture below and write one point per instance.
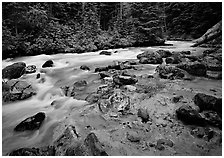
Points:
(35, 28)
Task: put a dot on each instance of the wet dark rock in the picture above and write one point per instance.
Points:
(38, 76)
(216, 75)
(194, 68)
(14, 71)
(99, 69)
(124, 80)
(150, 57)
(213, 119)
(170, 72)
(14, 90)
(31, 69)
(186, 52)
(176, 99)
(31, 123)
(143, 114)
(105, 53)
(189, 116)
(93, 146)
(164, 53)
(208, 102)
(133, 136)
(104, 74)
(48, 63)
(84, 67)
(169, 60)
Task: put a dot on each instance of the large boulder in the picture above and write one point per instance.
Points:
(213, 119)
(93, 146)
(150, 57)
(124, 80)
(48, 63)
(190, 116)
(14, 71)
(170, 72)
(164, 53)
(208, 102)
(194, 68)
(31, 69)
(14, 90)
(31, 123)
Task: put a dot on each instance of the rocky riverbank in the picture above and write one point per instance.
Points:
(162, 102)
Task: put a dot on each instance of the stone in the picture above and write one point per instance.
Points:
(68, 137)
(104, 74)
(213, 119)
(14, 71)
(25, 152)
(198, 132)
(31, 69)
(31, 123)
(105, 53)
(124, 80)
(194, 68)
(130, 88)
(170, 72)
(166, 142)
(150, 57)
(84, 67)
(38, 76)
(208, 102)
(143, 114)
(216, 75)
(14, 90)
(48, 63)
(99, 69)
(104, 105)
(186, 52)
(164, 53)
(176, 99)
(75, 88)
(189, 115)
(93, 146)
(169, 60)
(133, 136)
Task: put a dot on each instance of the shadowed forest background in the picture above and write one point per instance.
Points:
(50, 28)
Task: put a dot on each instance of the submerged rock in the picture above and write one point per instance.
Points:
(190, 116)
(31, 123)
(48, 63)
(31, 69)
(208, 102)
(120, 102)
(14, 71)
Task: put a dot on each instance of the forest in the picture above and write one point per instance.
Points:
(75, 27)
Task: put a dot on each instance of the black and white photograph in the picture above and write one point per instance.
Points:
(111, 78)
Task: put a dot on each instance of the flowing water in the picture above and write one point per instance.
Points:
(66, 71)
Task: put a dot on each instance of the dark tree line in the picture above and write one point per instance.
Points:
(35, 28)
